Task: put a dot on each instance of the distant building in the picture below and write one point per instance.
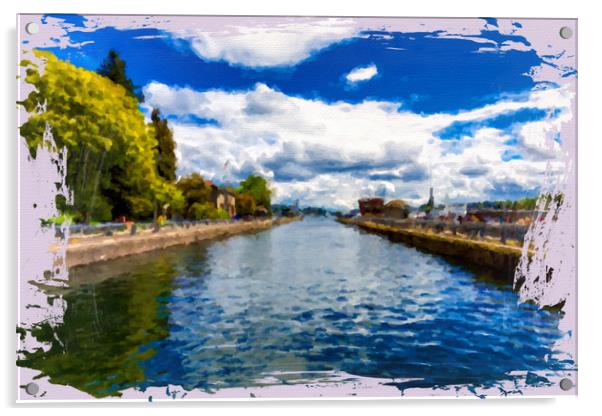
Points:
(429, 207)
(224, 199)
(396, 209)
(371, 206)
(431, 203)
(451, 212)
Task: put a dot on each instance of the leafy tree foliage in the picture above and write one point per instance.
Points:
(113, 67)
(198, 200)
(111, 152)
(520, 204)
(245, 204)
(206, 210)
(166, 146)
(195, 191)
(257, 187)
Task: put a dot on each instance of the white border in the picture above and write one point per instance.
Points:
(590, 197)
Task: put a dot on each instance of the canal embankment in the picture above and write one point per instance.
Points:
(85, 250)
(490, 254)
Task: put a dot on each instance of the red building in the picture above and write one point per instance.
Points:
(372, 206)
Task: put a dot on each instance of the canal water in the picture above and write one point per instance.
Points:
(285, 306)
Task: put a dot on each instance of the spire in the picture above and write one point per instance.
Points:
(430, 205)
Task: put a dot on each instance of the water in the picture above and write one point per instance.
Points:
(273, 307)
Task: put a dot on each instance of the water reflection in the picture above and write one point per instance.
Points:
(308, 296)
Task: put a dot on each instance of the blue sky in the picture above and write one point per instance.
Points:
(330, 110)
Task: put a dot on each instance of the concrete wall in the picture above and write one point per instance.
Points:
(501, 258)
(92, 250)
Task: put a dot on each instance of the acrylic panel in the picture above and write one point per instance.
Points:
(221, 207)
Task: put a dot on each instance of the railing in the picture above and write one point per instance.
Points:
(473, 230)
(110, 228)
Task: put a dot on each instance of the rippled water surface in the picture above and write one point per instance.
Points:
(308, 296)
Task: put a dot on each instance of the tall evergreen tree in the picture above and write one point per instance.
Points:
(113, 67)
(166, 147)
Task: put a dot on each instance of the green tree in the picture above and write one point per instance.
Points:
(195, 191)
(110, 150)
(245, 204)
(166, 146)
(258, 188)
(113, 67)
(526, 203)
(206, 210)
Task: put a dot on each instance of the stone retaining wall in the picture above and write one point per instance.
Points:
(499, 257)
(92, 250)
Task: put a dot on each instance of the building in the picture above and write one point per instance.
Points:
(431, 202)
(371, 206)
(396, 209)
(224, 199)
(429, 207)
(451, 213)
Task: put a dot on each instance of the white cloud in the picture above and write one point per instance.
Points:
(247, 41)
(286, 41)
(269, 45)
(363, 73)
(331, 154)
